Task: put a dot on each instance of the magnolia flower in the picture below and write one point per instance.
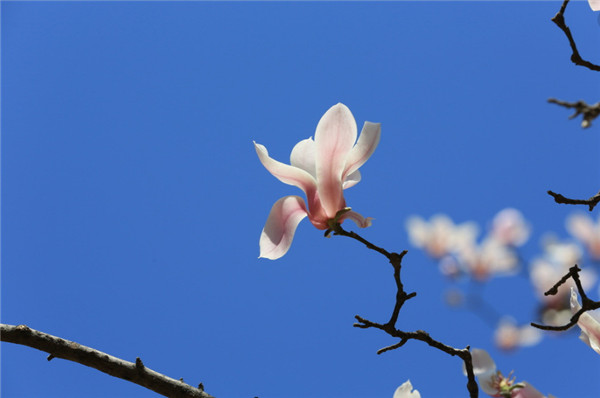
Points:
(509, 336)
(510, 228)
(406, 391)
(322, 168)
(582, 227)
(440, 236)
(493, 383)
(594, 5)
(487, 259)
(589, 325)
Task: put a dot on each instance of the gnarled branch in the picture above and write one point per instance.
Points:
(559, 20)
(395, 260)
(134, 372)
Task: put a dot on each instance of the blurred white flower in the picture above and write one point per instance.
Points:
(509, 336)
(487, 259)
(510, 228)
(594, 5)
(545, 271)
(406, 391)
(582, 227)
(588, 323)
(440, 236)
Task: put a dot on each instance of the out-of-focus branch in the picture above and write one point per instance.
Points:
(591, 202)
(395, 260)
(559, 20)
(134, 372)
(586, 303)
(589, 112)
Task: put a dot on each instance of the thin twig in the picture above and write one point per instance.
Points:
(591, 202)
(559, 20)
(389, 327)
(136, 372)
(589, 112)
(586, 303)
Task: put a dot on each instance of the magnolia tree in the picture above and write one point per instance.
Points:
(562, 275)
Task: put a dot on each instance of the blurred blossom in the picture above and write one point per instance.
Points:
(510, 228)
(545, 271)
(594, 5)
(493, 383)
(553, 317)
(450, 267)
(509, 336)
(487, 259)
(454, 298)
(588, 323)
(440, 236)
(582, 227)
(406, 391)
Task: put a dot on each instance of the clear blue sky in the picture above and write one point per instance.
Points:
(133, 199)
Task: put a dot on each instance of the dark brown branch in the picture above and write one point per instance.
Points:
(589, 112)
(586, 303)
(559, 20)
(389, 327)
(134, 372)
(591, 202)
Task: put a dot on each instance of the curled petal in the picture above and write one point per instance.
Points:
(303, 156)
(278, 233)
(334, 138)
(285, 173)
(364, 148)
(351, 180)
(359, 220)
(406, 391)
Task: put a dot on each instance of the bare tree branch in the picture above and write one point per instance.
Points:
(586, 303)
(134, 372)
(589, 112)
(591, 202)
(559, 20)
(401, 297)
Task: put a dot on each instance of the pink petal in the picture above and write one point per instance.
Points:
(359, 220)
(594, 5)
(527, 392)
(287, 174)
(334, 138)
(303, 156)
(278, 233)
(590, 327)
(364, 148)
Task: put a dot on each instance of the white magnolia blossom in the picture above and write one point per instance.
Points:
(583, 227)
(510, 228)
(406, 391)
(594, 5)
(509, 336)
(440, 236)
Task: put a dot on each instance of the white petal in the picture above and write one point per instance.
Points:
(352, 180)
(303, 156)
(406, 391)
(364, 148)
(278, 233)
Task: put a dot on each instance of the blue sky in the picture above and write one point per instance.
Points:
(133, 200)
